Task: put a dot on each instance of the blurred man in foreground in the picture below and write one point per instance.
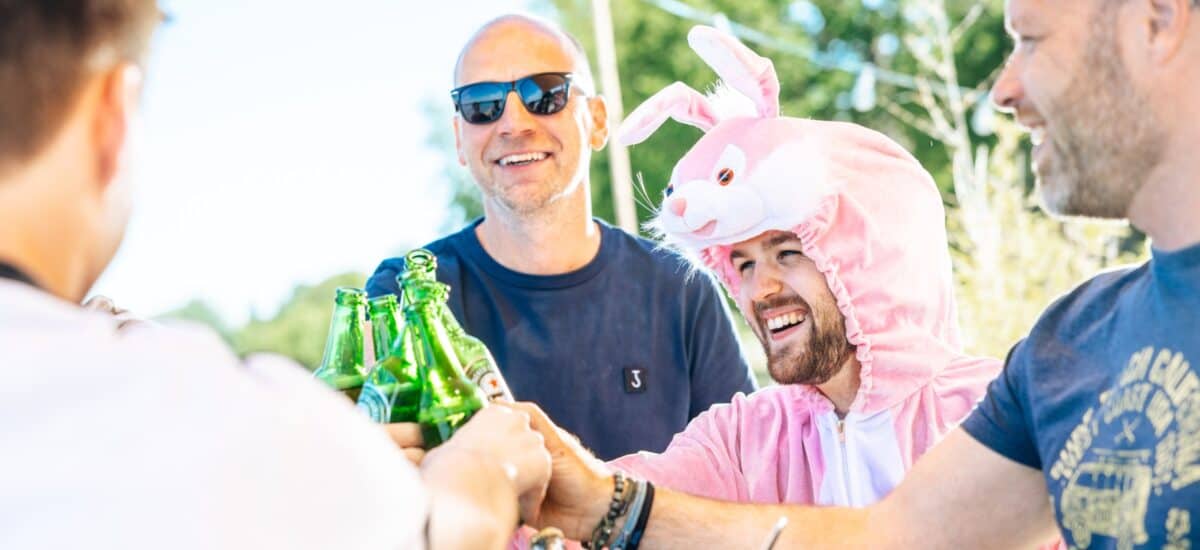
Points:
(156, 437)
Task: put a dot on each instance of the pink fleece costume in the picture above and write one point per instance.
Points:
(871, 219)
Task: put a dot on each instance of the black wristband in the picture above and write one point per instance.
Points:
(639, 528)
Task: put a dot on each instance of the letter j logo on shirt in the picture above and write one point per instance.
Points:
(635, 380)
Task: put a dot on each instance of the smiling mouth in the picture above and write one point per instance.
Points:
(706, 230)
(523, 159)
(782, 323)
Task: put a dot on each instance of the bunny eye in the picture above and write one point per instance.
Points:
(725, 176)
(670, 189)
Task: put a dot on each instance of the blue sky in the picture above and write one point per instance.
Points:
(282, 142)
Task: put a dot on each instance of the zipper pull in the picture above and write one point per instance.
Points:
(841, 429)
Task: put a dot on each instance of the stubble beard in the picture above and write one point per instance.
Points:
(1106, 139)
(820, 358)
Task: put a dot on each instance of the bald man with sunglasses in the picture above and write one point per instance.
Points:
(609, 335)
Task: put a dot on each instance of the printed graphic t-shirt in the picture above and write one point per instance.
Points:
(1104, 398)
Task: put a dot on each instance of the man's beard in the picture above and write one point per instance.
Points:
(1105, 139)
(817, 360)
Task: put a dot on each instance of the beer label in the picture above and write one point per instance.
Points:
(376, 405)
(483, 375)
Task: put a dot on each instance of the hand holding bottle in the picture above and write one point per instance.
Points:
(504, 438)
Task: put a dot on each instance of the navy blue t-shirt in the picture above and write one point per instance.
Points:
(1103, 397)
(622, 352)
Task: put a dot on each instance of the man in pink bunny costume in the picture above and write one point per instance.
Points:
(831, 238)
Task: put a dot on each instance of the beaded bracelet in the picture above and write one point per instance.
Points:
(640, 489)
(616, 508)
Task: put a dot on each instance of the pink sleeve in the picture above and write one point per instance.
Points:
(703, 460)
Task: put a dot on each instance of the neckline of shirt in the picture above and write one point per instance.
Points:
(469, 246)
(1184, 259)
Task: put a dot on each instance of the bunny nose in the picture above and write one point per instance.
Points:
(678, 206)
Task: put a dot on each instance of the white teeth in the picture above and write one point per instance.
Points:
(521, 159)
(785, 320)
(1037, 135)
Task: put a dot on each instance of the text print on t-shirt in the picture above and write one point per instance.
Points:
(1142, 441)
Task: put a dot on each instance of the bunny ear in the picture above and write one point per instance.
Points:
(676, 101)
(747, 72)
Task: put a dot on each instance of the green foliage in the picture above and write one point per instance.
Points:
(465, 201)
(652, 53)
(298, 330)
(1010, 259)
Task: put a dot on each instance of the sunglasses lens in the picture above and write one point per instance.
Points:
(544, 94)
(482, 103)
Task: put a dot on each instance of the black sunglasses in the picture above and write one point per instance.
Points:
(483, 102)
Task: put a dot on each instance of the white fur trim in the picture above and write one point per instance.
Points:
(729, 103)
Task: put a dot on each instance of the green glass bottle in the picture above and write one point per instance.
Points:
(385, 324)
(342, 367)
(448, 399)
(420, 263)
(477, 361)
(393, 390)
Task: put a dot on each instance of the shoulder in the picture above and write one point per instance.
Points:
(1092, 301)
(655, 261)
(769, 406)
(383, 279)
(1074, 315)
(266, 406)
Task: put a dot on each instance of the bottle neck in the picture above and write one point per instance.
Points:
(435, 340)
(384, 327)
(344, 347)
(449, 320)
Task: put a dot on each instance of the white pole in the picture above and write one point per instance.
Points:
(618, 155)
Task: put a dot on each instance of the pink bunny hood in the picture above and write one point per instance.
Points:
(871, 219)
(866, 213)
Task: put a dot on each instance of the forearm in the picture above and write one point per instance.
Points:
(959, 495)
(472, 505)
(686, 522)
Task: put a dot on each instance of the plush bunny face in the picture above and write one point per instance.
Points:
(745, 176)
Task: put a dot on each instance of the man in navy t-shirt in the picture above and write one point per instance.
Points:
(1092, 432)
(613, 338)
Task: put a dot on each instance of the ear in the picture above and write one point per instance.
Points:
(676, 101)
(458, 146)
(1169, 26)
(747, 72)
(598, 109)
(116, 102)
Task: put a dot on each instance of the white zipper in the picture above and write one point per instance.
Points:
(841, 430)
